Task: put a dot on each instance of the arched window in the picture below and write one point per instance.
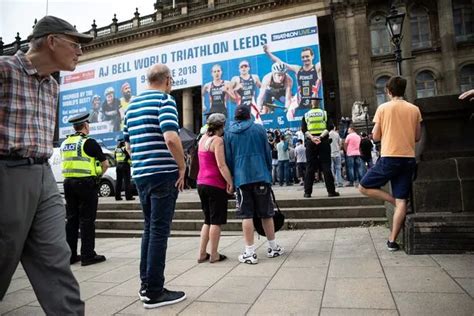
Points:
(463, 16)
(379, 36)
(420, 28)
(467, 77)
(425, 84)
(380, 89)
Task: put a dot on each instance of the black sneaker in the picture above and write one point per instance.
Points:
(307, 195)
(392, 246)
(164, 298)
(333, 194)
(142, 293)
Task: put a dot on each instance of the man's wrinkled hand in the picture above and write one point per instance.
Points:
(180, 182)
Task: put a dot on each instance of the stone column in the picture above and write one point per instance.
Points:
(448, 46)
(188, 111)
(343, 69)
(364, 54)
(353, 55)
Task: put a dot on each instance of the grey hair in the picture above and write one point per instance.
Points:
(158, 74)
(37, 43)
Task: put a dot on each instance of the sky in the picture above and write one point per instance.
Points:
(19, 15)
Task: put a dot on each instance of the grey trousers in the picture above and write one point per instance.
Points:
(32, 229)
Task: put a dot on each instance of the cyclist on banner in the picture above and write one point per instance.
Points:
(245, 88)
(308, 75)
(219, 91)
(276, 86)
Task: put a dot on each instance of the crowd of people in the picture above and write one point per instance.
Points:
(246, 160)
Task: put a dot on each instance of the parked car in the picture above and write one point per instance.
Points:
(107, 181)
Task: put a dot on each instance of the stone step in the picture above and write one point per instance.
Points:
(236, 224)
(137, 233)
(295, 212)
(308, 202)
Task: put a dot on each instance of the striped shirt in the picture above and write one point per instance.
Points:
(148, 117)
(28, 105)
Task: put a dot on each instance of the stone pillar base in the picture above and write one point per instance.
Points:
(439, 233)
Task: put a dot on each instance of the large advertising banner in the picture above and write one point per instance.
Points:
(273, 68)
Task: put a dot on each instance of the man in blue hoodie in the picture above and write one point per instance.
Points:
(249, 159)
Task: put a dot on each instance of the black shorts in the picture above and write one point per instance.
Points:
(255, 199)
(214, 204)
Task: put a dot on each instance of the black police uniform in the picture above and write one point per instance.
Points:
(81, 196)
(318, 157)
(123, 175)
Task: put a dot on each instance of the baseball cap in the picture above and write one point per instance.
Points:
(53, 25)
(242, 112)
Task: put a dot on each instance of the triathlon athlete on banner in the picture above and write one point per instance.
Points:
(308, 76)
(276, 86)
(219, 91)
(245, 87)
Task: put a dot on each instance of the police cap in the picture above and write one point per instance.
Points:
(80, 118)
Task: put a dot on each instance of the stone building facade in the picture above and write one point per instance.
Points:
(356, 53)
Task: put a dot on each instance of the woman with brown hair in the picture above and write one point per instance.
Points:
(214, 182)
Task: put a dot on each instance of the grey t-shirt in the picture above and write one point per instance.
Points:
(300, 152)
(335, 144)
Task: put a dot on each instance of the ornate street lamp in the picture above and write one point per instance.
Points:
(394, 23)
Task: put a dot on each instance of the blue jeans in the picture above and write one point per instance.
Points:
(355, 168)
(336, 169)
(158, 196)
(283, 171)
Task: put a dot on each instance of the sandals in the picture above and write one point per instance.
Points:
(221, 258)
(208, 256)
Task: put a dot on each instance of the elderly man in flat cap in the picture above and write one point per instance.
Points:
(31, 208)
(82, 163)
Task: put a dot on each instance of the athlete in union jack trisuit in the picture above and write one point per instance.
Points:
(308, 76)
(219, 91)
(245, 87)
(276, 86)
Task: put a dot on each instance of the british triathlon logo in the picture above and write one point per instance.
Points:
(295, 33)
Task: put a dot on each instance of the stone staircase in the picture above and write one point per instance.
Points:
(126, 219)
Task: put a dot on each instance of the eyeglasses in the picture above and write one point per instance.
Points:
(73, 44)
(244, 66)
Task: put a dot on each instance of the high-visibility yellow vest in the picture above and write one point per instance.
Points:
(75, 162)
(315, 121)
(120, 155)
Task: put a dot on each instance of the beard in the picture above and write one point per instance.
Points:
(127, 95)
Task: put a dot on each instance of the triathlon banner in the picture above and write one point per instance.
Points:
(273, 68)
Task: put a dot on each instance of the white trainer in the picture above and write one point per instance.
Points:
(278, 251)
(249, 259)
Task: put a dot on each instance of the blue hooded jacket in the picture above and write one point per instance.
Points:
(248, 153)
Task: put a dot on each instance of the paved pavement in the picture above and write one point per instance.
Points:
(344, 271)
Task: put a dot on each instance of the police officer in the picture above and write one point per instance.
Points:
(82, 163)
(123, 160)
(318, 149)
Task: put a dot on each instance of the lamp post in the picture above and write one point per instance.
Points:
(394, 23)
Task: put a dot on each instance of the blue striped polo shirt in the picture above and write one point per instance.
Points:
(148, 116)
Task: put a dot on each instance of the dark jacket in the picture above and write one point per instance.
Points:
(247, 153)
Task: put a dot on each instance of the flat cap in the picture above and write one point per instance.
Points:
(216, 119)
(80, 118)
(53, 25)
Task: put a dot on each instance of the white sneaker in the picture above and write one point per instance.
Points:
(249, 259)
(278, 251)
